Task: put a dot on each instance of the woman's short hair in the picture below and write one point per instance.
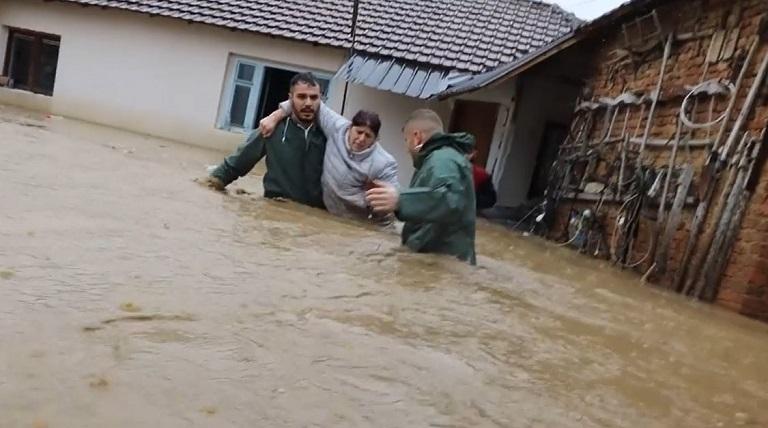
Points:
(369, 119)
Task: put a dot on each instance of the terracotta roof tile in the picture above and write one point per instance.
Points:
(453, 29)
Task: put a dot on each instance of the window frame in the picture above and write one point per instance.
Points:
(230, 81)
(38, 39)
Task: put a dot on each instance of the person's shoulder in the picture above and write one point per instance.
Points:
(449, 160)
(450, 154)
(384, 156)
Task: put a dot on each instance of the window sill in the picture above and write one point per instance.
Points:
(234, 130)
(25, 91)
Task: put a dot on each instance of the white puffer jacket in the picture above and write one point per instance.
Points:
(346, 174)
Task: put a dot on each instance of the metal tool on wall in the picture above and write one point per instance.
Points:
(670, 222)
(734, 194)
(631, 229)
(656, 97)
(708, 180)
(722, 160)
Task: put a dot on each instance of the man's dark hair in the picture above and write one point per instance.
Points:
(306, 78)
(369, 119)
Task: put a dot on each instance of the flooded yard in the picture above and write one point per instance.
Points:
(132, 297)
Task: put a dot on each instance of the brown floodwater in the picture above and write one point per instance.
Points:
(132, 297)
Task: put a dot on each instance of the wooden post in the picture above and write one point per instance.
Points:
(712, 170)
(675, 217)
(728, 228)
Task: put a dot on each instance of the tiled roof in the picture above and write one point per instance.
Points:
(469, 35)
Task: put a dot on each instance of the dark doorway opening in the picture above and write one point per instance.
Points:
(479, 119)
(554, 136)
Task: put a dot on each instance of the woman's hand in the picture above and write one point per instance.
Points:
(267, 126)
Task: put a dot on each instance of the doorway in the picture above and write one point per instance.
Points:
(479, 119)
(554, 136)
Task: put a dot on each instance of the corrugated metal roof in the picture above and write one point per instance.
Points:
(467, 35)
(388, 74)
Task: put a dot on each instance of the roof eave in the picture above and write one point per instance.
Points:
(525, 63)
(509, 71)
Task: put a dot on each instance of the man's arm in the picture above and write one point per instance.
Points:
(242, 161)
(442, 202)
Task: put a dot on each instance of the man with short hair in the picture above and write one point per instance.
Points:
(439, 207)
(294, 151)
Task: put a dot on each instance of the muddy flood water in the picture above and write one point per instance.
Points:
(132, 297)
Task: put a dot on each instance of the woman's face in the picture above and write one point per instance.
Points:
(361, 138)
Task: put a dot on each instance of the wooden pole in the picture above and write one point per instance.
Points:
(656, 98)
(711, 169)
(746, 110)
(673, 222)
(355, 13)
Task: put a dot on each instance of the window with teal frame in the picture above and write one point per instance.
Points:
(254, 89)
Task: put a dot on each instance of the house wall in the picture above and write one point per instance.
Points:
(153, 75)
(744, 286)
(541, 99)
(165, 77)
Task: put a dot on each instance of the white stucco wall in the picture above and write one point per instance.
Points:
(153, 75)
(165, 77)
(540, 100)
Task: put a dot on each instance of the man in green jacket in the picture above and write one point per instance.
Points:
(294, 151)
(439, 207)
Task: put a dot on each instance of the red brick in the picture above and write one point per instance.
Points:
(747, 272)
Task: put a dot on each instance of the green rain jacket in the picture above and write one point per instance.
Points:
(294, 162)
(439, 207)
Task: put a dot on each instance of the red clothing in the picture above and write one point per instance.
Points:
(480, 176)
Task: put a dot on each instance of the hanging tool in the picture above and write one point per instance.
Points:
(674, 220)
(733, 31)
(629, 99)
(735, 134)
(710, 88)
(707, 281)
(707, 183)
(661, 216)
(656, 96)
(644, 33)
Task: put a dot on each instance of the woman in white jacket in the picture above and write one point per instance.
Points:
(354, 159)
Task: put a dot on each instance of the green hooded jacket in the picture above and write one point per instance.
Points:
(294, 162)
(439, 207)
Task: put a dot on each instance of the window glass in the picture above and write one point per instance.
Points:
(49, 58)
(32, 61)
(239, 110)
(21, 60)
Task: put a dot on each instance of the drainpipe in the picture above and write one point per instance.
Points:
(355, 12)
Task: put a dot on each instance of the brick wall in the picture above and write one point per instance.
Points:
(744, 286)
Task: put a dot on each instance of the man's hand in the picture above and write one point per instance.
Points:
(383, 198)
